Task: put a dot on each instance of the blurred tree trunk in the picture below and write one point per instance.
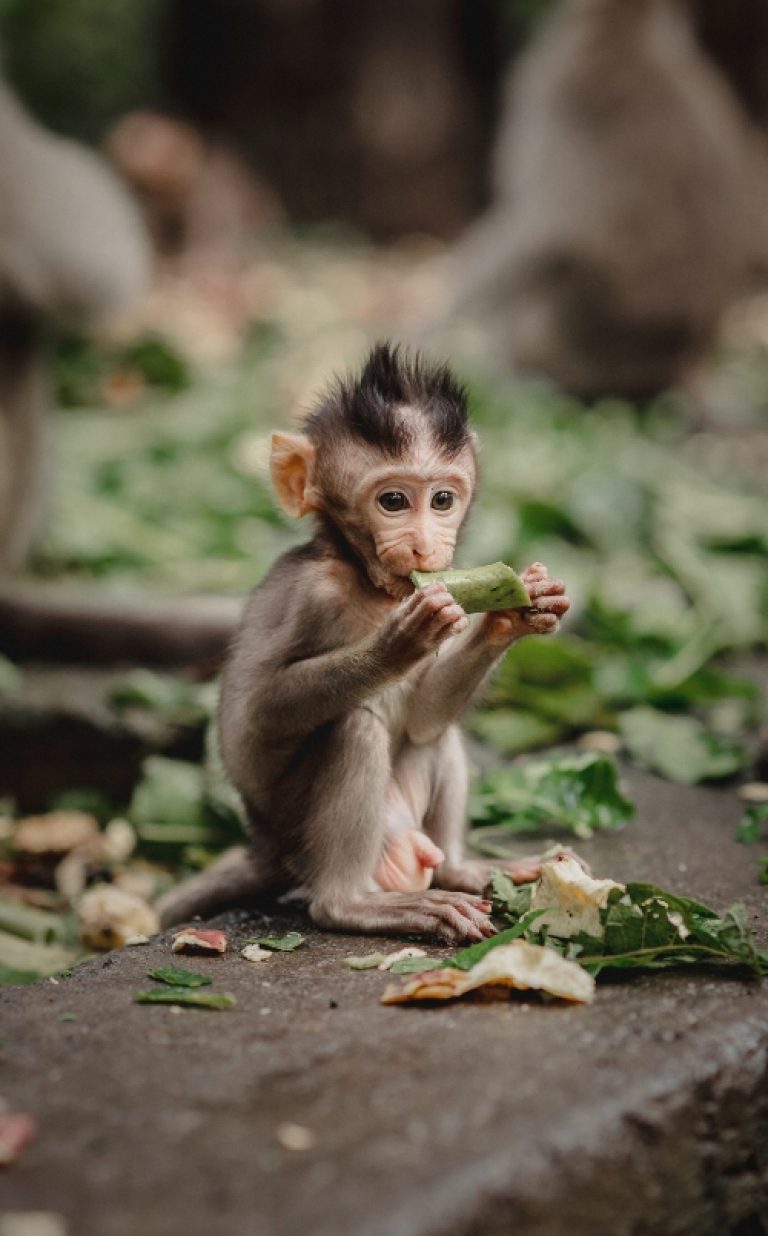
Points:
(381, 114)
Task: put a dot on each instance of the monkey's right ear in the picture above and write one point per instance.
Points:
(292, 465)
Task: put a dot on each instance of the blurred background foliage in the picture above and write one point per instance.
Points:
(654, 512)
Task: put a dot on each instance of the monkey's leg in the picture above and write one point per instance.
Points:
(344, 835)
(235, 876)
(445, 821)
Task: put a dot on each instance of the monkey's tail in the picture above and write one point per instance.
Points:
(234, 877)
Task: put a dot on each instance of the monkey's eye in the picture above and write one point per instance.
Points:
(443, 500)
(393, 501)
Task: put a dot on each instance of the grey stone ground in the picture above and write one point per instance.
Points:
(646, 1113)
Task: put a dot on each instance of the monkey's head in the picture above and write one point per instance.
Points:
(388, 460)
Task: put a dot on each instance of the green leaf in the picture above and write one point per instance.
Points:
(281, 944)
(679, 748)
(176, 977)
(170, 792)
(466, 958)
(188, 996)
(578, 793)
(10, 977)
(750, 826)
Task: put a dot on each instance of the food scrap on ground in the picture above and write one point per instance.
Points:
(108, 917)
(179, 978)
(16, 1132)
(189, 997)
(636, 926)
(295, 1136)
(279, 944)
(571, 900)
(193, 940)
(254, 952)
(517, 965)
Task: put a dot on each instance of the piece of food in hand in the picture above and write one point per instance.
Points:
(571, 899)
(519, 965)
(479, 590)
(192, 940)
(108, 917)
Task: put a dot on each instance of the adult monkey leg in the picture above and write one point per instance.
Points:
(343, 840)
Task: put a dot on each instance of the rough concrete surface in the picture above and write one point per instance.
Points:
(644, 1114)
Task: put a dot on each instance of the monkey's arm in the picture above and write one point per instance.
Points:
(292, 698)
(447, 686)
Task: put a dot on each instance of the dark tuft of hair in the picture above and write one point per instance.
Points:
(369, 406)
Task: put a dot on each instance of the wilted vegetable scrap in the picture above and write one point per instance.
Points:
(179, 978)
(518, 965)
(479, 590)
(108, 917)
(633, 927)
(280, 944)
(368, 961)
(16, 1132)
(190, 997)
(192, 940)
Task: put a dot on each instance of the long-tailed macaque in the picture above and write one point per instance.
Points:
(341, 695)
(629, 205)
(72, 249)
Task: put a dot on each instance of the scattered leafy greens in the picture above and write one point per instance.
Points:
(750, 827)
(280, 944)
(679, 747)
(176, 977)
(644, 928)
(191, 997)
(577, 793)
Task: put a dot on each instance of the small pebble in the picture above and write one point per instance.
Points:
(295, 1136)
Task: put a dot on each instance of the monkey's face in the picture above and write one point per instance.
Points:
(407, 513)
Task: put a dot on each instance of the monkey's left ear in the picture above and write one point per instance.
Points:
(292, 465)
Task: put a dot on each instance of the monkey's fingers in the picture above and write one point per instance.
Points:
(535, 571)
(545, 587)
(541, 624)
(552, 605)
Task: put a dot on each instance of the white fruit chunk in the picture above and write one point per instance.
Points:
(519, 964)
(571, 898)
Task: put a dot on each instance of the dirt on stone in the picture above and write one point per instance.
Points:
(645, 1113)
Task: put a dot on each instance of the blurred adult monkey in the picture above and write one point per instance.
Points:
(337, 718)
(71, 249)
(630, 203)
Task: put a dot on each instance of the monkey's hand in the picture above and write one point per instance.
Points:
(473, 875)
(548, 605)
(420, 624)
(407, 862)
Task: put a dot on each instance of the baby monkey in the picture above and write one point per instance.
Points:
(337, 717)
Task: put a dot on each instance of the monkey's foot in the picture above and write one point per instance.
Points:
(473, 875)
(453, 916)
